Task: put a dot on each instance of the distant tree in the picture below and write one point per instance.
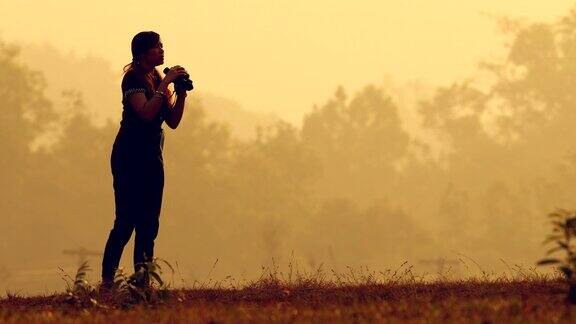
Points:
(377, 235)
(360, 143)
(271, 183)
(26, 114)
(516, 130)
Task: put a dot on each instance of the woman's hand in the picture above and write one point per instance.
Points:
(180, 92)
(174, 73)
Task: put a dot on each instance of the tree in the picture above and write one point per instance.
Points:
(359, 142)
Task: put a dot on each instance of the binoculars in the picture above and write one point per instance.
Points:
(183, 82)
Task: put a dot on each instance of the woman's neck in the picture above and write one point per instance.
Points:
(146, 68)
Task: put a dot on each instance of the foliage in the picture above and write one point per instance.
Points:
(79, 291)
(562, 239)
(359, 142)
(145, 286)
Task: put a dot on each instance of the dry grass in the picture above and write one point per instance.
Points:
(358, 296)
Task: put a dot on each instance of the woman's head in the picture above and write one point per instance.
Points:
(147, 47)
(146, 50)
(147, 53)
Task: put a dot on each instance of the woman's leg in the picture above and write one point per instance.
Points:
(119, 236)
(147, 223)
(126, 187)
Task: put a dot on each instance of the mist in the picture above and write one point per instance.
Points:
(325, 156)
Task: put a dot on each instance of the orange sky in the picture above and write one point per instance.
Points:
(283, 56)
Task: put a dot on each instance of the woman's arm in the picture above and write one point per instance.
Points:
(175, 113)
(148, 109)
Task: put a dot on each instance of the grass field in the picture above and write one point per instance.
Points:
(271, 300)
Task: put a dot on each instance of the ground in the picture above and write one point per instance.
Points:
(470, 301)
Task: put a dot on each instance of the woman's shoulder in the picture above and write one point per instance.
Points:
(130, 74)
(131, 79)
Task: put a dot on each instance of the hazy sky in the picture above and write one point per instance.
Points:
(283, 56)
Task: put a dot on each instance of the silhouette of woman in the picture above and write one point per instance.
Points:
(136, 159)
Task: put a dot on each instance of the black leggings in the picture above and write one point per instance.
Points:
(138, 173)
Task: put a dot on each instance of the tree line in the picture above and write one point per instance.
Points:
(351, 186)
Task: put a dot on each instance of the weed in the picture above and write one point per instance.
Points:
(144, 286)
(79, 292)
(562, 238)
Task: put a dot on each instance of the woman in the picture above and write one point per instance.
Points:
(136, 161)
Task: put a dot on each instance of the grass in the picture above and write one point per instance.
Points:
(354, 296)
(362, 295)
